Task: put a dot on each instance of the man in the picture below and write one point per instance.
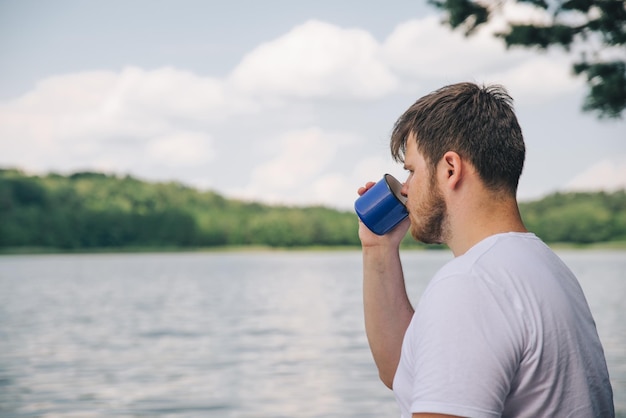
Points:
(504, 328)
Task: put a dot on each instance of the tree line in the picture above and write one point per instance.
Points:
(89, 210)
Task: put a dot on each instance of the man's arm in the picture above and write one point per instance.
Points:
(388, 310)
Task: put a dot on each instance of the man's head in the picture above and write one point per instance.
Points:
(478, 123)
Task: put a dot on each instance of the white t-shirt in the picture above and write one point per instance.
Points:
(504, 330)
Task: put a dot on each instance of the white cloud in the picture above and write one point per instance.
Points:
(173, 93)
(181, 149)
(372, 168)
(334, 190)
(608, 175)
(133, 102)
(109, 120)
(369, 168)
(425, 49)
(316, 60)
(318, 183)
(337, 186)
(539, 79)
(301, 157)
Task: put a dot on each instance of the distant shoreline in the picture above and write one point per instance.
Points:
(611, 245)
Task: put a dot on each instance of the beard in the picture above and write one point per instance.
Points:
(429, 218)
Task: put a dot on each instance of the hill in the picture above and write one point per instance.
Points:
(94, 210)
(89, 210)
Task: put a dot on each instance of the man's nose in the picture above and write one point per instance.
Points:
(405, 190)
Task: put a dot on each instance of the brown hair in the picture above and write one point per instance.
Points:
(478, 123)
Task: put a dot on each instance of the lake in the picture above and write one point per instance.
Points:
(245, 334)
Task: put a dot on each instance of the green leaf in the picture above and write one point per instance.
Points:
(463, 13)
(607, 81)
(579, 5)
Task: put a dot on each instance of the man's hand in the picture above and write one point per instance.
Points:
(391, 239)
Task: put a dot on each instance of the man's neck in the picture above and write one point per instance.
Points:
(480, 216)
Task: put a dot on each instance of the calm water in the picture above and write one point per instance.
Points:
(220, 334)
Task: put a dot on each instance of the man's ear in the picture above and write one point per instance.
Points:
(452, 169)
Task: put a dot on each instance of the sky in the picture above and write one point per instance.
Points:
(279, 101)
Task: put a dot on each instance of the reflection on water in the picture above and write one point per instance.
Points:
(219, 335)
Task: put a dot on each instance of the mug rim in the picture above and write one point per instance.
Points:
(395, 187)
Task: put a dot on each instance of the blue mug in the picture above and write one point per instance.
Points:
(382, 207)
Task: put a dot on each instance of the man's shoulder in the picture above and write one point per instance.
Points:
(499, 248)
(485, 262)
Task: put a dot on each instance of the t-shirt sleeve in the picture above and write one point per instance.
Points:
(465, 348)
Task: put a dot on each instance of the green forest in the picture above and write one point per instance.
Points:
(90, 211)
